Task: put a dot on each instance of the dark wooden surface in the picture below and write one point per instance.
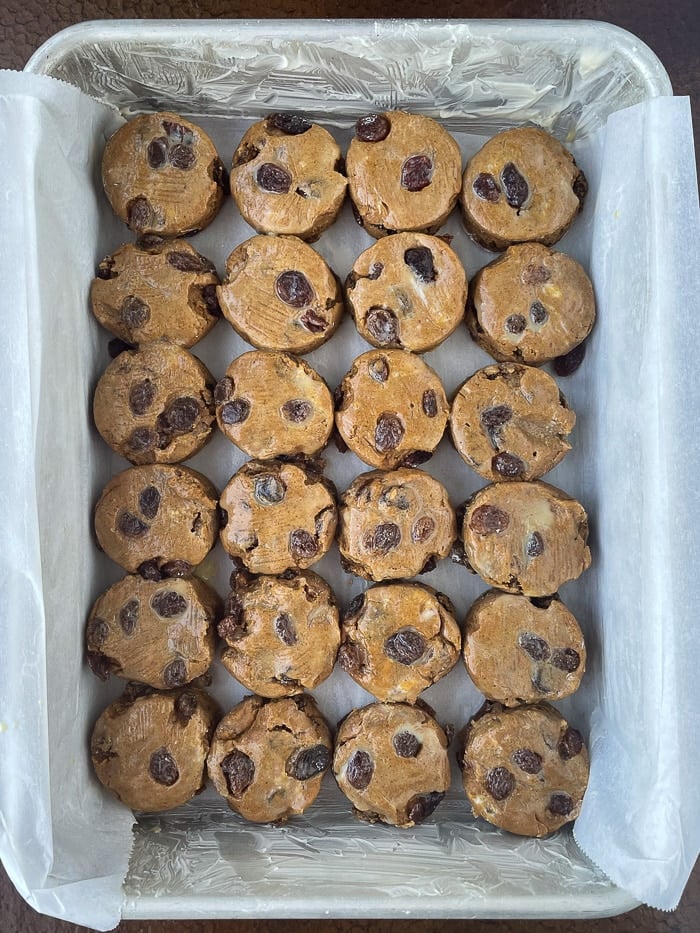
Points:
(672, 30)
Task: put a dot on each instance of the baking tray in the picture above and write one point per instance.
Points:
(476, 77)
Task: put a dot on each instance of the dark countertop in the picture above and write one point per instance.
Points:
(673, 32)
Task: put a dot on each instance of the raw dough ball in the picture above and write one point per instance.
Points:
(279, 294)
(521, 185)
(394, 524)
(282, 633)
(391, 762)
(288, 177)
(391, 409)
(155, 404)
(158, 520)
(526, 538)
(404, 172)
(531, 305)
(524, 769)
(277, 516)
(155, 632)
(268, 757)
(156, 288)
(519, 650)
(511, 422)
(161, 174)
(399, 639)
(150, 748)
(407, 291)
(272, 404)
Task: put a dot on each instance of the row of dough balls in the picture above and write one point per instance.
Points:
(162, 175)
(283, 634)
(408, 291)
(524, 769)
(159, 404)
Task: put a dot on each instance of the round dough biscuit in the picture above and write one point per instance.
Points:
(522, 185)
(391, 409)
(155, 404)
(268, 757)
(161, 174)
(404, 172)
(391, 762)
(288, 176)
(272, 404)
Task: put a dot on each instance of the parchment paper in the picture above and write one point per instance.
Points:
(64, 842)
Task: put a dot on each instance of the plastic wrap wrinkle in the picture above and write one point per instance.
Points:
(641, 816)
(202, 857)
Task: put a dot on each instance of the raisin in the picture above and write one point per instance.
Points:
(382, 324)
(566, 659)
(308, 763)
(220, 176)
(293, 124)
(515, 187)
(527, 760)
(570, 744)
(535, 544)
(302, 545)
(189, 262)
(177, 132)
(175, 568)
(538, 312)
(223, 390)
(150, 570)
(375, 271)
(139, 214)
(129, 616)
(515, 324)
(97, 632)
(273, 178)
(141, 396)
(222, 515)
(356, 606)
(488, 520)
(422, 529)
(134, 312)
(142, 439)
(235, 412)
(535, 275)
(421, 806)
(580, 187)
(500, 783)
(388, 433)
(532, 644)
(313, 322)
(210, 299)
(568, 363)
(100, 665)
(269, 489)
(507, 465)
(395, 497)
(182, 413)
(416, 457)
(406, 744)
(405, 646)
(560, 804)
(182, 157)
(285, 629)
(186, 706)
(386, 536)
(163, 768)
(416, 172)
(131, 525)
(244, 154)
(420, 260)
(297, 410)
(372, 128)
(105, 270)
(359, 770)
(239, 771)
(429, 403)
(495, 417)
(157, 152)
(168, 603)
(486, 187)
(379, 369)
(150, 243)
(175, 674)
(149, 502)
(294, 289)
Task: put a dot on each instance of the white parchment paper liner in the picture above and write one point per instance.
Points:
(64, 842)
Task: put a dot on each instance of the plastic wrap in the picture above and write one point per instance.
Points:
(64, 842)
